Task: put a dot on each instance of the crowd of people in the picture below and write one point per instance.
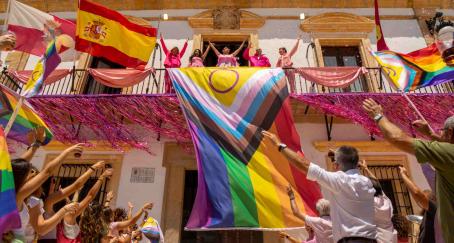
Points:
(84, 220)
(357, 209)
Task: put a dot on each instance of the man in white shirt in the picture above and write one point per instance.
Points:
(351, 195)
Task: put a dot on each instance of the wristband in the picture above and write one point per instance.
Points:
(378, 117)
(282, 146)
(91, 168)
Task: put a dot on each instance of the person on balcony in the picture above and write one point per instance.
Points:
(173, 60)
(439, 152)
(258, 59)
(351, 195)
(285, 62)
(225, 59)
(197, 59)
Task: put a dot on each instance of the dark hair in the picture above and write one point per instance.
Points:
(120, 214)
(377, 186)
(193, 54)
(347, 156)
(21, 169)
(107, 214)
(283, 48)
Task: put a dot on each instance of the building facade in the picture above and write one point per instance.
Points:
(334, 33)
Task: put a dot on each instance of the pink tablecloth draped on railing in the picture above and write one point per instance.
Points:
(119, 78)
(24, 75)
(335, 77)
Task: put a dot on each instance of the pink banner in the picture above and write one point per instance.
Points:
(24, 75)
(335, 77)
(120, 78)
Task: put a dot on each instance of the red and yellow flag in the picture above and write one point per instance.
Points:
(102, 32)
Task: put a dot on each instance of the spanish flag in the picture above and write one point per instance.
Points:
(102, 32)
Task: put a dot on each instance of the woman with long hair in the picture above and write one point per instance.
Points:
(225, 59)
(285, 61)
(197, 58)
(173, 60)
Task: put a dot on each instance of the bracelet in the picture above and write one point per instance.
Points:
(378, 117)
(282, 146)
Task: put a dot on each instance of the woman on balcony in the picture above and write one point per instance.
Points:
(258, 59)
(285, 61)
(173, 60)
(226, 59)
(196, 59)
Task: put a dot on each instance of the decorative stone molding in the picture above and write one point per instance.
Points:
(226, 18)
(362, 146)
(337, 22)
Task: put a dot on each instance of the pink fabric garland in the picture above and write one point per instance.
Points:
(122, 119)
(24, 75)
(335, 77)
(120, 78)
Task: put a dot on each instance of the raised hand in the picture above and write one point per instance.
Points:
(107, 174)
(422, 126)
(362, 164)
(130, 205)
(372, 108)
(272, 137)
(403, 171)
(147, 206)
(7, 42)
(99, 165)
(109, 195)
(290, 192)
(71, 207)
(78, 148)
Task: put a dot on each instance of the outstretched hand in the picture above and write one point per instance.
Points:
(422, 126)
(372, 107)
(403, 171)
(272, 137)
(362, 164)
(290, 192)
(7, 42)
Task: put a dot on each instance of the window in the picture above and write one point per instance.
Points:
(341, 56)
(94, 87)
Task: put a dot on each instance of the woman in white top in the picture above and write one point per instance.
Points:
(225, 59)
(27, 180)
(383, 210)
(322, 226)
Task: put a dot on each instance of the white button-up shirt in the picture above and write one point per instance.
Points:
(322, 226)
(351, 198)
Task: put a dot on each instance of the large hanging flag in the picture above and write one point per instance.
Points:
(242, 179)
(26, 121)
(45, 66)
(421, 68)
(381, 43)
(9, 216)
(31, 27)
(102, 32)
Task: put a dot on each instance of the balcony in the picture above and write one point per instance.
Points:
(81, 82)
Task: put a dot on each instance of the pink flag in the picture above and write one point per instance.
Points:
(30, 26)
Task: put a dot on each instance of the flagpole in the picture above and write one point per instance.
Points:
(14, 115)
(5, 23)
(416, 110)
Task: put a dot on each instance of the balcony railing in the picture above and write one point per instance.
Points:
(81, 82)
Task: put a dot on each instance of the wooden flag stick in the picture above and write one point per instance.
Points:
(14, 115)
(416, 110)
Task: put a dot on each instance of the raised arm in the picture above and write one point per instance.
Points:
(293, 205)
(65, 192)
(183, 50)
(214, 48)
(237, 51)
(133, 220)
(296, 159)
(246, 54)
(30, 186)
(295, 48)
(109, 197)
(130, 208)
(205, 54)
(391, 132)
(43, 226)
(36, 139)
(421, 199)
(423, 127)
(363, 165)
(163, 45)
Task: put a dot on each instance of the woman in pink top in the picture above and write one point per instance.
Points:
(258, 59)
(173, 60)
(226, 59)
(285, 61)
(196, 59)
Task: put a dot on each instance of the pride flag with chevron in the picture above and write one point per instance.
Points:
(242, 179)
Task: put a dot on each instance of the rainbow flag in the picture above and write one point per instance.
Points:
(26, 120)
(242, 179)
(421, 68)
(9, 216)
(45, 66)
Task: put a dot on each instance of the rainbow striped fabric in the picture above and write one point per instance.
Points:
(45, 66)
(421, 68)
(9, 217)
(242, 179)
(26, 120)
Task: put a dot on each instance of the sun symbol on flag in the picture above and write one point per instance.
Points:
(96, 30)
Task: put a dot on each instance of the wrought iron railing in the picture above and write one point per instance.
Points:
(81, 82)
